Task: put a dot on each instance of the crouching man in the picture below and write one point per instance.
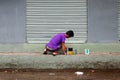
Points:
(57, 42)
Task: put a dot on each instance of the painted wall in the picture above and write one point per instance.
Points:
(12, 21)
(102, 27)
(102, 21)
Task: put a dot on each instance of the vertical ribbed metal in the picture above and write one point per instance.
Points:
(45, 18)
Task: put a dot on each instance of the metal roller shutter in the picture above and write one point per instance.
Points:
(45, 18)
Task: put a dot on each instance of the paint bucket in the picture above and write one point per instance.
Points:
(70, 51)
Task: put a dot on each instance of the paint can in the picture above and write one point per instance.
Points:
(70, 51)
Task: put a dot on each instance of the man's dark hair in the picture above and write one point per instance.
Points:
(70, 33)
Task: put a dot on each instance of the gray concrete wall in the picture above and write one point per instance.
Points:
(12, 30)
(12, 21)
(102, 21)
(12, 27)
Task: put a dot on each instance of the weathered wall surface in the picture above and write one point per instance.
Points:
(60, 62)
(12, 21)
(93, 47)
(102, 21)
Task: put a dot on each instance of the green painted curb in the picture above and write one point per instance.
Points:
(60, 61)
(93, 47)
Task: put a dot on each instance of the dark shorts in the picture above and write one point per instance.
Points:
(51, 50)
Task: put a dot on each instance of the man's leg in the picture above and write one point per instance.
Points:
(49, 49)
(54, 53)
(45, 51)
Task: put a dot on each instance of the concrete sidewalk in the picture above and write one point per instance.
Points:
(79, 61)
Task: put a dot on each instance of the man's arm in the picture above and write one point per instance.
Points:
(64, 48)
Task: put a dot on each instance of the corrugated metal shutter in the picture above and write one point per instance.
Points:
(119, 18)
(45, 18)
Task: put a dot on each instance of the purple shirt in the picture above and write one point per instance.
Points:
(56, 41)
